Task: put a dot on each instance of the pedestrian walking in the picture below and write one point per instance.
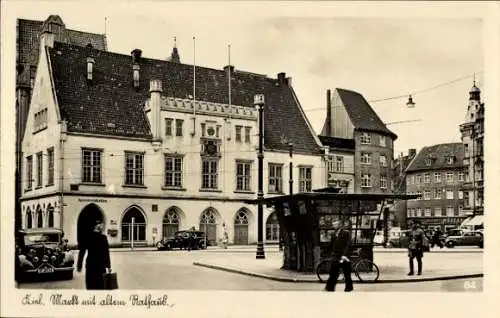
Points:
(415, 247)
(98, 261)
(340, 245)
(436, 238)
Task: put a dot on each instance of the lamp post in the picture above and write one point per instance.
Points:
(290, 167)
(259, 104)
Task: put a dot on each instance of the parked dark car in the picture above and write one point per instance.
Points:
(183, 240)
(42, 251)
(402, 241)
(465, 238)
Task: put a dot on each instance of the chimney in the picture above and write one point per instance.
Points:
(90, 69)
(136, 55)
(329, 112)
(282, 78)
(155, 91)
(412, 152)
(230, 68)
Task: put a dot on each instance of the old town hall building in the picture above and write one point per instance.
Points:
(131, 141)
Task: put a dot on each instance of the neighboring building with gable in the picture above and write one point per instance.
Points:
(472, 134)
(27, 54)
(401, 163)
(349, 116)
(437, 173)
(116, 137)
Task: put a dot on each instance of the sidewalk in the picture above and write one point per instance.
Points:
(275, 249)
(393, 267)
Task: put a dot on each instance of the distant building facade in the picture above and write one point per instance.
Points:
(437, 173)
(472, 134)
(349, 116)
(339, 161)
(126, 140)
(401, 163)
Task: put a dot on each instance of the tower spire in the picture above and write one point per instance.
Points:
(174, 56)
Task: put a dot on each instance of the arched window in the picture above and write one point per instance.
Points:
(208, 224)
(241, 227)
(272, 228)
(29, 219)
(50, 215)
(39, 217)
(170, 222)
(133, 226)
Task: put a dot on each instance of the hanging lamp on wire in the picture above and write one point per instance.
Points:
(410, 103)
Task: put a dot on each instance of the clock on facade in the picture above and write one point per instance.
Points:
(210, 131)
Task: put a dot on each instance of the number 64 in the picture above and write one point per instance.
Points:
(469, 284)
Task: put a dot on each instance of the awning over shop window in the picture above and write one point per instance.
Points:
(473, 221)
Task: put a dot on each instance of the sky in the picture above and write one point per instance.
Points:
(379, 57)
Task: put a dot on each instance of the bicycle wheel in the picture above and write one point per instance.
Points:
(366, 271)
(323, 270)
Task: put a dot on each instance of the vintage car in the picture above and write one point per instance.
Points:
(401, 241)
(465, 238)
(182, 240)
(42, 251)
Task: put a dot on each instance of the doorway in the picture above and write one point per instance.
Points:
(135, 230)
(86, 222)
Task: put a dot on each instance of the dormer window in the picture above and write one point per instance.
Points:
(450, 160)
(428, 161)
(90, 68)
(136, 69)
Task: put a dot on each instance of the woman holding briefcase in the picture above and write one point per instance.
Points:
(98, 264)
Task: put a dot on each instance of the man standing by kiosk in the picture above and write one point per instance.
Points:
(341, 241)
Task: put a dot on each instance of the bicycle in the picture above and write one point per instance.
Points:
(364, 269)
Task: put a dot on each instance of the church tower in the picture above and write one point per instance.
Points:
(472, 134)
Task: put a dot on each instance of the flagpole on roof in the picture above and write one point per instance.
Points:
(229, 72)
(194, 76)
(105, 25)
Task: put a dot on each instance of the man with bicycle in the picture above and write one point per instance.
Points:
(340, 246)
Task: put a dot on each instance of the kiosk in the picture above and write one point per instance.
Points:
(306, 221)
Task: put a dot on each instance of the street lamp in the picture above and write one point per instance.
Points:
(290, 181)
(259, 104)
(410, 103)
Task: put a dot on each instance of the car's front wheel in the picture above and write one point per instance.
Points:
(450, 244)
(159, 246)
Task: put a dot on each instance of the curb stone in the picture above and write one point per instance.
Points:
(314, 280)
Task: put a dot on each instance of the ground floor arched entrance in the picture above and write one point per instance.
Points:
(241, 227)
(208, 224)
(170, 223)
(86, 221)
(272, 228)
(133, 226)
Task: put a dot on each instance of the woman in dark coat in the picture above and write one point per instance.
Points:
(97, 258)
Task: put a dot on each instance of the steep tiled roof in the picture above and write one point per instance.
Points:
(338, 143)
(28, 44)
(438, 155)
(113, 99)
(362, 115)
